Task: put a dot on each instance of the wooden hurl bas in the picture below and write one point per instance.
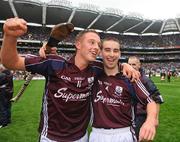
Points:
(23, 88)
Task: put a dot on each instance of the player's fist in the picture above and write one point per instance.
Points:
(15, 27)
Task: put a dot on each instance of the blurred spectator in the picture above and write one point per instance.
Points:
(6, 94)
(169, 76)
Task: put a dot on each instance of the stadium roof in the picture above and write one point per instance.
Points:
(85, 16)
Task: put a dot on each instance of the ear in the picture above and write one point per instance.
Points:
(100, 53)
(78, 44)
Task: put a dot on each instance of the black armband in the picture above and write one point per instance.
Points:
(52, 42)
(157, 97)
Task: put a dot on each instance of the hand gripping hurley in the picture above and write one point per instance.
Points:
(58, 33)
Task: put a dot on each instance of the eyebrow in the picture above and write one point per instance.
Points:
(132, 64)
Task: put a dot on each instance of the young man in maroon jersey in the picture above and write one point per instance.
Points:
(112, 102)
(66, 101)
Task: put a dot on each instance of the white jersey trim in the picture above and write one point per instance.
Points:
(45, 115)
(144, 90)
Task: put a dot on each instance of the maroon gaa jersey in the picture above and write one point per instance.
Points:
(112, 101)
(66, 103)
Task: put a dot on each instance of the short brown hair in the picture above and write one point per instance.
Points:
(80, 34)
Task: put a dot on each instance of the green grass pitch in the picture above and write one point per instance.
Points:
(25, 113)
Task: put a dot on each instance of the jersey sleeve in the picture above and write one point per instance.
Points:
(42, 66)
(152, 89)
(141, 92)
(97, 67)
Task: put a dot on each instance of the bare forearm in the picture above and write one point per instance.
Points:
(148, 129)
(157, 117)
(158, 108)
(9, 55)
(152, 111)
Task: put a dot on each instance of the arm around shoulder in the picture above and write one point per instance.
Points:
(129, 71)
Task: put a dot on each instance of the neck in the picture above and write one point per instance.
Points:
(110, 71)
(80, 62)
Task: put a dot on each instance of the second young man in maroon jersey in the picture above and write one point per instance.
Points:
(112, 102)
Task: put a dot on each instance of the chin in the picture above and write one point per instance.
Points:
(92, 58)
(111, 66)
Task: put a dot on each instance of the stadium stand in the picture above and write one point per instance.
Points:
(149, 41)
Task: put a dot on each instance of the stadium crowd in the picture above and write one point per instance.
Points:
(41, 34)
(128, 42)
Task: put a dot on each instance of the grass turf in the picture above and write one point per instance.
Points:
(25, 113)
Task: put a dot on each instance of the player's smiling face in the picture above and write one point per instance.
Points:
(110, 53)
(89, 46)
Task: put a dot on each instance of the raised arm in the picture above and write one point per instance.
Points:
(13, 28)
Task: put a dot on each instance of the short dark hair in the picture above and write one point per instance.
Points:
(111, 39)
(80, 34)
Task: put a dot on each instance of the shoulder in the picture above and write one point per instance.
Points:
(36, 59)
(144, 78)
(97, 64)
